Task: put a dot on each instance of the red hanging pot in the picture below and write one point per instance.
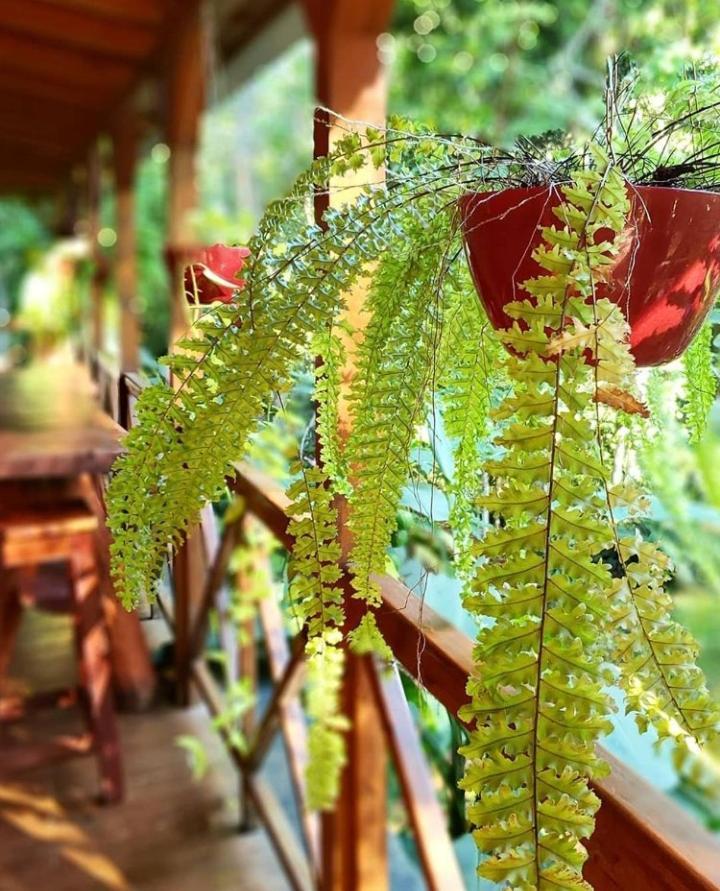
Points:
(665, 279)
(214, 274)
(210, 274)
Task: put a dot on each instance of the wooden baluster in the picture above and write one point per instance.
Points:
(437, 857)
(351, 81)
(292, 721)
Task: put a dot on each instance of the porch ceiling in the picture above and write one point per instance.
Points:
(67, 68)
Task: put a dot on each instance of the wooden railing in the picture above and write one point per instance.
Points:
(643, 840)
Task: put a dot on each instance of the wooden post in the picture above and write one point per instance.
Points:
(186, 98)
(186, 95)
(124, 157)
(350, 80)
(94, 193)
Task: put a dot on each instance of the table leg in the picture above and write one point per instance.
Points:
(134, 679)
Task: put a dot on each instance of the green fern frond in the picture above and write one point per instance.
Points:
(330, 350)
(388, 396)
(538, 700)
(468, 364)
(662, 683)
(700, 382)
(316, 594)
(188, 436)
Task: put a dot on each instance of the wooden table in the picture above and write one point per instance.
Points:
(51, 427)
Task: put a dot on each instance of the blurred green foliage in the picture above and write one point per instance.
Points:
(24, 236)
(498, 69)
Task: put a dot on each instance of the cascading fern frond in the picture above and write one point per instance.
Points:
(554, 614)
(328, 380)
(317, 597)
(700, 382)
(389, 396)
(468, 376)
(656, 656)
(538, 699)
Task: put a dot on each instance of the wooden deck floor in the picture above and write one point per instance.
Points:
(171, 834)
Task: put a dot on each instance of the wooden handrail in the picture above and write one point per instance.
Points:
(643, 840)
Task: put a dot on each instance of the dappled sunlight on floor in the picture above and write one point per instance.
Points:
(170, 834)
(42, 819)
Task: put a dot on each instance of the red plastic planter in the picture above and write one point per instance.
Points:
(665, 279)
(213, 274)
(209, 273)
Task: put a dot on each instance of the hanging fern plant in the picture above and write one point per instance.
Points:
(568, 596)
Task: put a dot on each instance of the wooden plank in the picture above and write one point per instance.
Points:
(91, 96)
(141, 12)
(25, 121)
(172, 832)
(26, 755)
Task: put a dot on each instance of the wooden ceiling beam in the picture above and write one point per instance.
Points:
(140, 12)
(62, 27)
(89, 97)
(62, 65)
(16, 144)
(28, 181)
(68, 131)
(38, 115)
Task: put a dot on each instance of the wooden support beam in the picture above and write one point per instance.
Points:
(186, 98)
(350, 80)
(125, 157)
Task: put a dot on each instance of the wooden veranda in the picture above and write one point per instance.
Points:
(70, 72)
